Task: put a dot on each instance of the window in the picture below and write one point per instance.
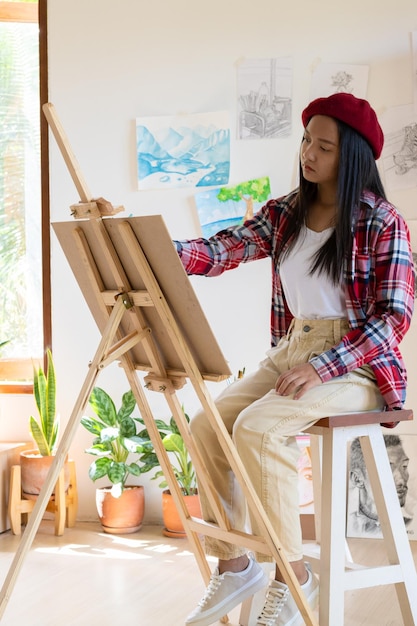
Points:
(23, 278)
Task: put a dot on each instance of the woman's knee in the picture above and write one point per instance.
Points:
(245, 429)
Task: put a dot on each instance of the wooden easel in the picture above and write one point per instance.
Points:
(150, 322)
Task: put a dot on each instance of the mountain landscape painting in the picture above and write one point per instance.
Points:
(183, 151)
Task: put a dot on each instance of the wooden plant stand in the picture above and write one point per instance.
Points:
(63, 504)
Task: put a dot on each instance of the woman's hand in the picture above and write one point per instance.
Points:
(297, 381)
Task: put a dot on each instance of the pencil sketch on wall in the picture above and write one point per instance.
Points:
(406, 157)
(331, 78)
(399, 156)
(264, 98)
(414, 66)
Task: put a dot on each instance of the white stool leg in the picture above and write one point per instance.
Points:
(391, 520)
(312, 551)
(316, 451)
(332, 570)
(333, 523)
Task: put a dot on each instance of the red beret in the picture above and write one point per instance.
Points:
(354, 112)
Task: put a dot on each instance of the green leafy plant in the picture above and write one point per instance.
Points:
(45, 430)
(174, 444)
(116, 437)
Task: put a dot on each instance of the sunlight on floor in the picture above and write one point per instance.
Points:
(58, 569)
(116, 547)
(90, 578)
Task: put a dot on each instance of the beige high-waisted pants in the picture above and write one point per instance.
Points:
(264, 425)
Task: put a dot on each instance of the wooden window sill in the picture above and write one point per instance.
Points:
(18, 12)
(16, 387)
(16, 375)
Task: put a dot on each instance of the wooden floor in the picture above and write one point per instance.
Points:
(89, 578)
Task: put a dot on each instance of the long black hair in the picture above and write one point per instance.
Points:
(357, 172)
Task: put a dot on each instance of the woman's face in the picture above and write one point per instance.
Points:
(320, 150)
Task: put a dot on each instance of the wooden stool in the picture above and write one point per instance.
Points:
(63, 503)
(338, 573)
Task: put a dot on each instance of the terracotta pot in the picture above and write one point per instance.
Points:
(34, 470)
(122, 515)
(173, 526)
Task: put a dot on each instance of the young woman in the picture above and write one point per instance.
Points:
(342, 300)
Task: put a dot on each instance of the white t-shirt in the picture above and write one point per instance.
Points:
(310, 296)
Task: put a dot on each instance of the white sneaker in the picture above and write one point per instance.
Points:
(280, 608)
(225, 591)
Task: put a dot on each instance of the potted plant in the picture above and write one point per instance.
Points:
(120, 505)
(183, 470)
(35, 463)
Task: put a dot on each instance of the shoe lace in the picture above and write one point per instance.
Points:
(274, 602)
(214, 584)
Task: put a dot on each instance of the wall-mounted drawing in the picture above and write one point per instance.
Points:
(406, 157)
(362, 516)
(183, 150)
(399, 156)
(264, 98)
(331, 78)
(414, 66)
(227, 206)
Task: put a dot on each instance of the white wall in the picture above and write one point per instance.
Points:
(112, 62)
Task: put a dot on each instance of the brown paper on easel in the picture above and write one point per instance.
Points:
(160, 252)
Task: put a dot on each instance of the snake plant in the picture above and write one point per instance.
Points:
(45, 429)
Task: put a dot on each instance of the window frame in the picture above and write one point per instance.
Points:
(13, 369)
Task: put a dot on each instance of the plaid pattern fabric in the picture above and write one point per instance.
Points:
(379, 285)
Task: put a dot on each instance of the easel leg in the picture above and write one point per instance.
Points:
(147, 416)
(61, 454)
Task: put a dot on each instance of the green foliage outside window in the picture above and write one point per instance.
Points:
(20, 212)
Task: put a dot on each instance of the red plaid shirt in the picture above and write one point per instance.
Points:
(379, 285)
